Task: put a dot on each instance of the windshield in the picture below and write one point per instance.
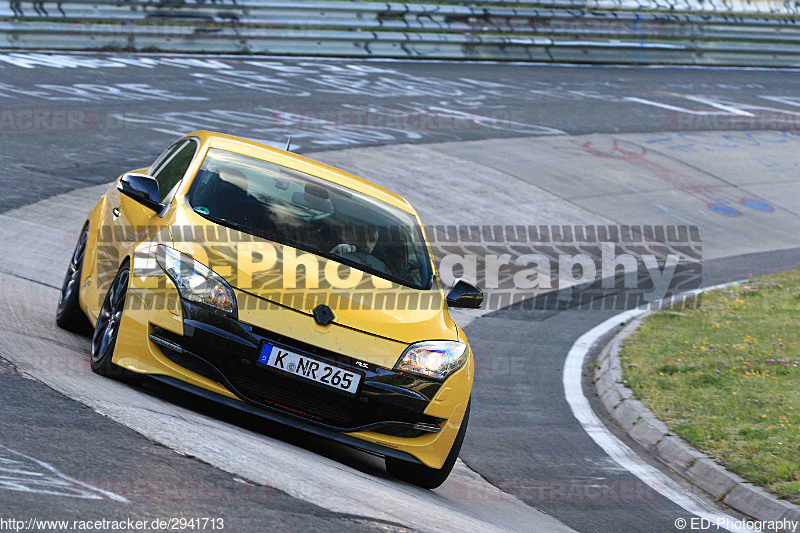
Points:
(294, 208)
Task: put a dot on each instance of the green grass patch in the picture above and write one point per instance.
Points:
(726, 377)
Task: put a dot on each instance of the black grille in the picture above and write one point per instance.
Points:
(257, 384)
(329, 407)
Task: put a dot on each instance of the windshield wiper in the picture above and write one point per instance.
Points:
(225, 222)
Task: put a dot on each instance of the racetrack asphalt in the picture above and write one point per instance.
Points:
(70, 121)
(157, 482)
(523, 437)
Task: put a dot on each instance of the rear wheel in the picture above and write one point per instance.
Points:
(69, 314)
(425, 476)
(107, 328)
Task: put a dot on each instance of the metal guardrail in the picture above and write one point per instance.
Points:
(22, 8)
(448, 31)
(453, 19)
(390, 44)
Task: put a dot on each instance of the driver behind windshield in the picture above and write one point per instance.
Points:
(365, 243)
(361, 251)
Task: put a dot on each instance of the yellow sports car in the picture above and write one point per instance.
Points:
(279, 285)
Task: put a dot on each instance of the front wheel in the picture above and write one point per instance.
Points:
(107, 328)
(425, 476)
(69, 314)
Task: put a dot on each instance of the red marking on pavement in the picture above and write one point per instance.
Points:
(715, 198)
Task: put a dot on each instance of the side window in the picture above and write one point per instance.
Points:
(165, 155)
(174, 167)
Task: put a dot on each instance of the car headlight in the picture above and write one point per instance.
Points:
(195, 281)
(433, 359)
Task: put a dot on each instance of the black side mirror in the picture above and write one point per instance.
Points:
(142, 188)
(465, 294)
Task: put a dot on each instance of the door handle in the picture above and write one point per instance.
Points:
(116, 212)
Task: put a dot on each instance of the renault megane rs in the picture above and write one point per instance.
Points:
(282, 286)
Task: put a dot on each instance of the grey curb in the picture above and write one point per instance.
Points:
(652, 434)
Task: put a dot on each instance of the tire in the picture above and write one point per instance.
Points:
(425, 476)
(107, 328)
(69, 314)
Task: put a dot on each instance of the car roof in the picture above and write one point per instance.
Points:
(303, 164)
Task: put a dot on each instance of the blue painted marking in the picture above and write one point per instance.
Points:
(702, 140)
(758, 205)
(661, 140)
(747, 140)
(725, 210)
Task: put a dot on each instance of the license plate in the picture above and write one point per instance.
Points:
(309, 368)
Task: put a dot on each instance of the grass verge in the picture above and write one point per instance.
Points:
(726, 377)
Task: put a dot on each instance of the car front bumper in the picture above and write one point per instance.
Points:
(394, 414)
(226, 350)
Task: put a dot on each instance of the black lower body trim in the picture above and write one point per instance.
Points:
(341, 438)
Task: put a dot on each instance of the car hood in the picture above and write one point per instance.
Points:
(256, 267)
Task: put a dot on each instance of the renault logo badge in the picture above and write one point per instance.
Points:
(323, 315)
